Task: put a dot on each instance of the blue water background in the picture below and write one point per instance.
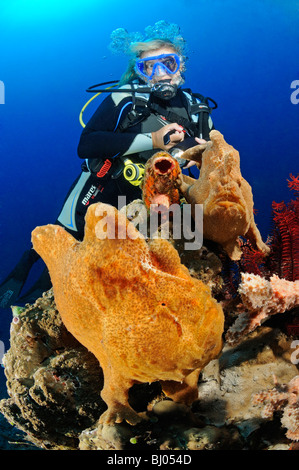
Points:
(243, 54)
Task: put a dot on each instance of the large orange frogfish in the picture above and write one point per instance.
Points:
(133, 305)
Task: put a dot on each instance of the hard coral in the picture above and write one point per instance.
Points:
(226, 196)
(260, 299)
(283, 397)
(134, 305)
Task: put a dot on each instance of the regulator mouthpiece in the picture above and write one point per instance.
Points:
(164, 90)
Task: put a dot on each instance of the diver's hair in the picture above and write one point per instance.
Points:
(138, 48)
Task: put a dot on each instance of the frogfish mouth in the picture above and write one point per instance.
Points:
(159, 190)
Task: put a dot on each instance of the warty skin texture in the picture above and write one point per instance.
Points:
(226, 196)
(134, 306)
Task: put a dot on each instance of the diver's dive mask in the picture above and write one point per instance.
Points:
(158, 65)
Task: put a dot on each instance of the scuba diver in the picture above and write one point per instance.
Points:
(148, 112)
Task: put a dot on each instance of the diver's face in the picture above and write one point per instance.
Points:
(160, 72)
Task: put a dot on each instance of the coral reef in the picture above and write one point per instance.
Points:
(158, 185)
(224, 416)
(282, 397)
(283, 242)
(124, 300)
(261, 299)
(226, 196)
(54, 383)
(54, 386)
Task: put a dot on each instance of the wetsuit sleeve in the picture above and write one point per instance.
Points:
(100, 138)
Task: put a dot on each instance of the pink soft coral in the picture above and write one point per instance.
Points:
(260, 299)
(282, 397)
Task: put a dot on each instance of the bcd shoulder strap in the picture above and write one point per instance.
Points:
(142, 108)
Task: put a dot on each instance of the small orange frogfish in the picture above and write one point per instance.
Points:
(133, 305)
(158, 185)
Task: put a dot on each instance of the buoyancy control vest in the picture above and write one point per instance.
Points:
(199, 109)
(194, 116)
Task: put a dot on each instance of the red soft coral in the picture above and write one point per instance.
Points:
(286, 220)
(293, 183)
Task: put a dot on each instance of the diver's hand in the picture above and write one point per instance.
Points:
(200, 141)
(192, 162)
(176, 137)
(189, 164)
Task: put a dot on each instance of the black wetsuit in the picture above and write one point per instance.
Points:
(102, 139)
(106, 137)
